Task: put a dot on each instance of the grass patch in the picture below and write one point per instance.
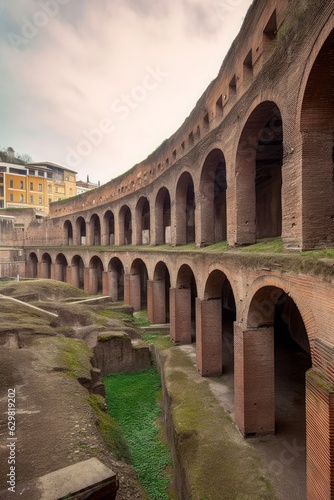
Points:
(109, 429)
(140, 318)
(132, 402)
(161, 341)
(75, 355)
(267, 245)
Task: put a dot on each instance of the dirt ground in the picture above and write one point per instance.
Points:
(56, 426)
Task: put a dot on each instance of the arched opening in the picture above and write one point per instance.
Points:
(116, 279)
(163, 217)
(46, 266)
(143, 222)
(276, 356)
(108, 235)
(32, 271)
(259, 164)
(61, 268)
(217, 313)
(68, 232)
(160, 292)
(317, 127)
(185, 210)
(78, 272)
(138, 285)
(183, 307)
(95, 230)
(80, 228)
(125, 226)
(95, 275)
(213, 198)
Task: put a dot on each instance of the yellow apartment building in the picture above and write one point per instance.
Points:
(35, 185)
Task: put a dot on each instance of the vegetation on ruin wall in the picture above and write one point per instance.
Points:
(132, 402)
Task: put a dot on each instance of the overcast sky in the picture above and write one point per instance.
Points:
(98, 85)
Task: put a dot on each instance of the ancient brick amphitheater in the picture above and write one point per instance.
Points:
(225, 230)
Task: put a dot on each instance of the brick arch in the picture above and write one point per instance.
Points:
(162, 210)
(212, 199)
(182, 306)
(94, 230)
(138, 285)
(32, 265)
(46, 263)
(316, 121)
(108, 228)
(158, 294)
(125, 225)
(68, 232)
(78, 271)
(80, 232)
(95, 273)
(143, 221)
(60, 272)
(215, 316)
(254, 314)
(258, 174)
(184, 202)
(116, 279)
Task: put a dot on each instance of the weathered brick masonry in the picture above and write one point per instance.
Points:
(254, 159)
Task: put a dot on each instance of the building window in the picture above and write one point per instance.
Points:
(1, 179)
(40, 201)
(66, 177)
(21, 184)
(21, 198)
(31, 172)
(11, 197)
(31, 186)
(50, 188)
(40, 187)
(41, 174)
(32, 200)
(11, 183)
(50, 200)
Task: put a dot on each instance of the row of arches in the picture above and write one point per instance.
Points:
(196, 209)
(246, 195)
(263, 361)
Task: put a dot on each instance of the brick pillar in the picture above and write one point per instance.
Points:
(243, 209)
(209, 348)
(68, 274)
(92, 281)
(89, 233)
(254, 380)
(205, 229)
(319, 436)
(113, 285)
(86, 279)
(53, 271)
(127, 289)
(317, 177)
(105, 286)
(180, 315)
(40, 270)
(75, 276)
(156, 301)
(134, 291)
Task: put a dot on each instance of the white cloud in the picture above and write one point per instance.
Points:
(67, 76)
